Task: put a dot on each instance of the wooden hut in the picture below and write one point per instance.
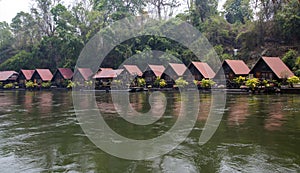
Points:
(152, 72)
(24, 76)
(130, 74)
(82, 74)
(41, 75)
(8, 77)
(233, 69)
(173, 72)
(61, 76)
(104, 77)
(271, 68)
(199, 71)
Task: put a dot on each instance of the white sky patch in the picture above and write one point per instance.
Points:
(10, 8)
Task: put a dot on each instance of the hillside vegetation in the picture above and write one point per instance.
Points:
(52, 35)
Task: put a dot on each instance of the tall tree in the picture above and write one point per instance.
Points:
(25, 31)
(5, 34)
(43, 16)
(237, 11)
(163, 7)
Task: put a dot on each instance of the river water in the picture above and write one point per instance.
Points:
(39, 132)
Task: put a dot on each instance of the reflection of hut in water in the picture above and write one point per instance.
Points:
(238, 111)
(204, 106)
(25, 76)
(173, 72)
(28, 101)
(45, 103)
(152, 72)
(276, 117)
(271, 68)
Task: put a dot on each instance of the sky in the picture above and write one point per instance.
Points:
(10, 8)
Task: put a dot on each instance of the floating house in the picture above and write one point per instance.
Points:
(271, 68)
(24, 76)
(104, 78)
(200, 70)
(152, 72)
(130, 74)
(173, 72)
(233, 69)
(82, 74)
(8, 77)
(41, 75)
(61, 75)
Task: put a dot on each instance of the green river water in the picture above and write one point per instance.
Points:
(39, 132)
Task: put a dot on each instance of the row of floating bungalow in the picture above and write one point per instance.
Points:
(266, 68)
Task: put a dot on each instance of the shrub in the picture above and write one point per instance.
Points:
(157, 81)
(71, 84)
(181, 83)
(9, 86)
(239, 80)
(197, 83)
(30, 84)
(46, 84)
(162, 83)
(293, 80)
(252, 83)
(1, 84)
(141, 82)
(207, 83)
(88, 83)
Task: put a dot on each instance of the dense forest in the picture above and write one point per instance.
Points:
(52, 34)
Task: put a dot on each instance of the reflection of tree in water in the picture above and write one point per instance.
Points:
(28, 101)
(238, 111)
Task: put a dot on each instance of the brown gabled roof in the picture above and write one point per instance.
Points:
(238, 67)
(179, 69)
(66, 73)
(45, 74)
(158, 70)
(133, 70)
(27, 73)
(108, 74)
(86, 73)
(204, 69)
(8, 75)
(278, 67)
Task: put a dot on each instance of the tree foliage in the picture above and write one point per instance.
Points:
(52, 35)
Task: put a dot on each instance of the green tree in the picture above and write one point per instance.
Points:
(21, 60)
(5, 35)
(237, 11)
(162, 7)
(290, 58)
(26, 32)
(288, 21)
